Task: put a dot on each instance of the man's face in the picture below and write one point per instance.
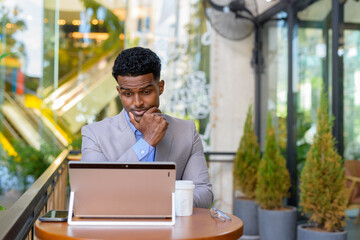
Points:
(139, 93)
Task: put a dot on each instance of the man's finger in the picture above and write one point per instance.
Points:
(153, 110)
(132, 120)
(160, 115)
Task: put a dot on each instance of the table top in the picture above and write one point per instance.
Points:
(198, 226)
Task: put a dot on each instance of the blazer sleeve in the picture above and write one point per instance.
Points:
(197, 171)
(94, 149)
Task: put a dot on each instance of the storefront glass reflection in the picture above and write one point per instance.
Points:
(178, 32)
(65, 49)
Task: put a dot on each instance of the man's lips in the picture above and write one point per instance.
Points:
(138, 112)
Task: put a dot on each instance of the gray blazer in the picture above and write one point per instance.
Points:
(112, 139)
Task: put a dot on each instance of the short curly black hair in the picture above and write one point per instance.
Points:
(137, 61)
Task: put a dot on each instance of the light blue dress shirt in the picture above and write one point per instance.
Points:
(144, 151)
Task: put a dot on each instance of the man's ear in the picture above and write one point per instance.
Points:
(161, 85)
(118, 89)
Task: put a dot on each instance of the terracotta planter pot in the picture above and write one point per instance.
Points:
(247, 211)
(277, 224)
(307, 234)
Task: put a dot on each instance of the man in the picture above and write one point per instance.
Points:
(141, 132)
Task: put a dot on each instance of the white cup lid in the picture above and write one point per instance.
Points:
(184, 184)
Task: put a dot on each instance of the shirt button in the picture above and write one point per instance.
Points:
(142, 151)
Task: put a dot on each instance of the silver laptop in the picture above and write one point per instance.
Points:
(122, 189)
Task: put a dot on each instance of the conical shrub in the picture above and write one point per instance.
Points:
(273, 177)
(322, 181)
(247, 159)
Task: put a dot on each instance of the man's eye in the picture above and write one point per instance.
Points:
(127, 94)
(147, 92)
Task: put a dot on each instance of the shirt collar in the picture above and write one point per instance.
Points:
(128, 121)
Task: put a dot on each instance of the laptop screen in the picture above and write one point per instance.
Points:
(122, 189)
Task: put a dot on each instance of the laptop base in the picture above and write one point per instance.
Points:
(119, 222)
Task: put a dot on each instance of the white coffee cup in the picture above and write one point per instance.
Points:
(184, 194)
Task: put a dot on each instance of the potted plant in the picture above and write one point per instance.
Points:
(275, 220)
(323, 193)
(246, 165)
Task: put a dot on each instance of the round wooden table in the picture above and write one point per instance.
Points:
(198, 226)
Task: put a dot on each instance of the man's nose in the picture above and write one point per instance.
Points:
(138, 101)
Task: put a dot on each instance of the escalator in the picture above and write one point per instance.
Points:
(60, 116)
(79, 100)
(30, 124)
(18, 120)
(8, 132)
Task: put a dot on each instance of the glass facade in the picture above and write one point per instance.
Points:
(312, 54)
(351, 80)
(177, 32)
(60, 75)
(314, 59)
(274, 89)
(63, 52)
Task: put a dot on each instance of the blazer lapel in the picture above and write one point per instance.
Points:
(128, 139)
(164, 147)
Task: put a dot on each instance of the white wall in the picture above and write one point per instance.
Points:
(232, 91)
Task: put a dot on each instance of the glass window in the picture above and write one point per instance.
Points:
(352, 81)
(51, 86)
(178, 33)
(91, 34)
(275, 77)
(65, 50)
(23, 75)
(312, 61)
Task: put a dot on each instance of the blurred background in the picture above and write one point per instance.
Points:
(214, 64)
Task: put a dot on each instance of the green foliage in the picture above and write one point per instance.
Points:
(196, 29)
(282, 134)
(112, 24)
(12, 15)
(247, 159)
(1, 208)
(75, 57)
(5, 55)
(30, 162)
(273, 177)
(303, 125)
(76, 143)
(322, 181)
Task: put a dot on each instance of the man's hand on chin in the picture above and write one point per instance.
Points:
(152, 125)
